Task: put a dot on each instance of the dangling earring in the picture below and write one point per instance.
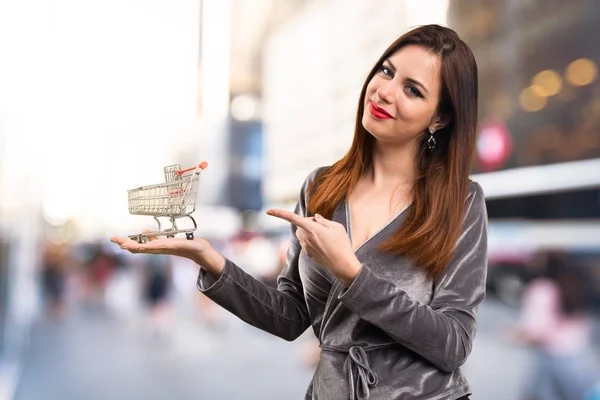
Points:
(431, 141)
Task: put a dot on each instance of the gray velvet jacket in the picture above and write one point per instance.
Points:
(393, 333)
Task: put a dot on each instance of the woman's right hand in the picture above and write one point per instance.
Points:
(198, 250)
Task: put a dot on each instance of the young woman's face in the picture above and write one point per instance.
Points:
(402, 98)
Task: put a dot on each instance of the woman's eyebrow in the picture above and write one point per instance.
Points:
(410, 80)
(392, 66)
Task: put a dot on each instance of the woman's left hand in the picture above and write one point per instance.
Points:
(326, 242)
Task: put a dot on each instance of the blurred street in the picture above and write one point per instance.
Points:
(98, 356)
(103, 357)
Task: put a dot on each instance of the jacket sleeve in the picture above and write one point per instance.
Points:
(443, 331)
(281, 311)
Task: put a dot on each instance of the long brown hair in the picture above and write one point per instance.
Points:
(433, 222)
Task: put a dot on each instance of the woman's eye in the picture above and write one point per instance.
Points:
(412, 91)
(386, 71)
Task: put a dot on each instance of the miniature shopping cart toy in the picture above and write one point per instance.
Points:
(175, 198)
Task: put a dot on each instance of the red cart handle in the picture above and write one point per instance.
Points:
(202, 165)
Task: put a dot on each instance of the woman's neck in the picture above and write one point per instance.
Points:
(392, 165)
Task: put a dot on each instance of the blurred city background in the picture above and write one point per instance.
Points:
(96, 97)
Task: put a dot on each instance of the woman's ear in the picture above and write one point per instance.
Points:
(440, 122)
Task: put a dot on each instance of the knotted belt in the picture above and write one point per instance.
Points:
(360, 375)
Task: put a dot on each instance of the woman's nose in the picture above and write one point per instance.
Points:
(386, 92)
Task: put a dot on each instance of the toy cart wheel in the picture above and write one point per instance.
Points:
(141, 239)
(189, 236)
(170, 236)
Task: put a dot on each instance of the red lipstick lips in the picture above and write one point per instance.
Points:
(378, 112)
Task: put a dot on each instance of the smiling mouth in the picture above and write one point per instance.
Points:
(378, 112)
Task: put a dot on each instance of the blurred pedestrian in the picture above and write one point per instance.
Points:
(557, 322)
(157, 288)
(100, 269)
(54, 278)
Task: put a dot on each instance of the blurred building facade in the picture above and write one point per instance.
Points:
(539, 98)
(538, 151)
(231, 74)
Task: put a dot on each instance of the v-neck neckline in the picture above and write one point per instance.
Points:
(368, 239)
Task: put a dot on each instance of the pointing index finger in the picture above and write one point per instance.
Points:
(290, 217)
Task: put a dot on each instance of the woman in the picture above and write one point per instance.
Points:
(388, 257)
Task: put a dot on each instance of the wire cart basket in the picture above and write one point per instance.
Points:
(175, 198)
